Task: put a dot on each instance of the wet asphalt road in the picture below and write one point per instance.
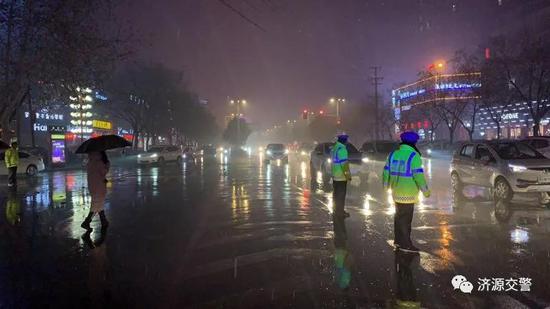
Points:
(242, 234)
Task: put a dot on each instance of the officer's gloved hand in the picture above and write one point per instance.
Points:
(427, 193)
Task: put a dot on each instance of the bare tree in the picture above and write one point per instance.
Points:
(61, 43)
(525, 61)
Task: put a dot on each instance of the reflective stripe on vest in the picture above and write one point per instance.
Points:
(408, 172)
(336, 159)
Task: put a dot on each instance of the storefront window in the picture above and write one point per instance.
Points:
(515, 132)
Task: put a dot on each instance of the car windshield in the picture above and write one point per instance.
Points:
(155, 149)
(276, 147)
(513, 150)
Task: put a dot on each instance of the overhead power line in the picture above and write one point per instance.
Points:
(241, 15)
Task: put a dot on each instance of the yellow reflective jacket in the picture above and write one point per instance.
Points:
(11, 157)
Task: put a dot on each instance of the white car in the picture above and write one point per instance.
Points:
(161, 154)
(320, 160)
(28, 164)
(540, 143)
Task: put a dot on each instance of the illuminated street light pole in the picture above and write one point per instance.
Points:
(337, 102)
(238, 104)
(436, 67)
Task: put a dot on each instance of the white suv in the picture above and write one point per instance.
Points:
(160, 155)
(506, 166)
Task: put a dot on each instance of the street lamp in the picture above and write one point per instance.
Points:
(238, 104)
(337, 102)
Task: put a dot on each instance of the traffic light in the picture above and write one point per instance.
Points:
(304, 114)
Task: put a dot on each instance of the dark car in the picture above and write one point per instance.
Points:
(276, 152)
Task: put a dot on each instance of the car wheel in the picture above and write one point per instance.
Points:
(502, 190)
(502, 210)
(31, 170)
(161, 161)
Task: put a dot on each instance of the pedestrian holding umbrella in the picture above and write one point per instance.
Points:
(97, 168)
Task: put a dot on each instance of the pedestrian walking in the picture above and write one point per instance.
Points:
(97, 168)
(11, 157)
(404, 175)
(340, 175)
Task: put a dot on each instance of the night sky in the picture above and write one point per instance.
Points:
(310, 49)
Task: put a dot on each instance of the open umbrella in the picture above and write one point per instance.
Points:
(102, 143)
(4, 145)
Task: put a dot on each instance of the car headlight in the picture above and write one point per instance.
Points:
(429, 151)
(225, 151)
(303, 153)
(184, 156)
(154, 155)
(517, 168)
(365, 159)
(286, 151)
(139, 155)
(329, 160)
(268, 152)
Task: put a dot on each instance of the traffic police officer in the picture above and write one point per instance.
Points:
(340, 175)
(11, 158)
(404, 175)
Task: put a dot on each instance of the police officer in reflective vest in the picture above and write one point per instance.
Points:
(404, 175)
(340, 175)
(11, 158)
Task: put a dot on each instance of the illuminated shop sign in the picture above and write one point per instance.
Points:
(57, 129)
(510, 116)
(46, 116)
(100, 97)
(101, 124)
(38, 127)
(453, 86)
(409, 94)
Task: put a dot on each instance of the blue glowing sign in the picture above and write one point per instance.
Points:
(452, 86)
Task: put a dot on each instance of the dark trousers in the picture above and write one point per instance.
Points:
(339, 196)
(12, 176)
(402, 224)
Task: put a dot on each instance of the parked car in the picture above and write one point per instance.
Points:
(507, 167)
(374, 156)
(161, 154)
(28, 164)
(540, 143)
(276, 152)
(320, 160)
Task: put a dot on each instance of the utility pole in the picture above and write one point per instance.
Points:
(376, 81)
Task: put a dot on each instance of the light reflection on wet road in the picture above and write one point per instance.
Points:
(225, 232)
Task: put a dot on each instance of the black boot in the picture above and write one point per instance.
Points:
(104, 222)
(86, 223)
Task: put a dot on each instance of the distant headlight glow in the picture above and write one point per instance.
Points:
(268, 152)
(429, 151)
(303, 153)
(329, 160)
(365, 159)
(286, 151)
(154, 155)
